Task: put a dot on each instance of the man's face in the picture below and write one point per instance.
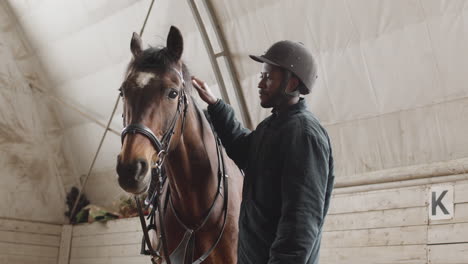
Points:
(269, 86)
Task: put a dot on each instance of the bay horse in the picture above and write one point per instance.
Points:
(165, 131)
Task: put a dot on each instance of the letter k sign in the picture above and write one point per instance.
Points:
(441, 202)
(438, 202)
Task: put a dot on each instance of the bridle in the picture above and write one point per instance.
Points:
(162, 146)
(158, 179)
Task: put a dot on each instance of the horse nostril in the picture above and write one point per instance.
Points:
(134, 171)
(141, 169)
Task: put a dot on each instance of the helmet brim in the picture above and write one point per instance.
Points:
(262, 59)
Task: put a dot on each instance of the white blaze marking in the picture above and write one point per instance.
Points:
(144, 78)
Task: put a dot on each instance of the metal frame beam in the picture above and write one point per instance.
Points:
(223, 53)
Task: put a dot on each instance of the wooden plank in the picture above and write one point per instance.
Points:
(112, 226)
(414, 254)
(65, 244)
(30, 227)
(10, 259)
(433, 171)
(379, 200)
(108, 239)
(106, 251)
(28, 250)
(377, 219)
(461, 193)
(460, 215)
(449, 233)
(29, 239)
(448, 254)
(119, 260)
(397, 236)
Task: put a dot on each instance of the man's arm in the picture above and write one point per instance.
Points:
(235, 137)
(304, 184)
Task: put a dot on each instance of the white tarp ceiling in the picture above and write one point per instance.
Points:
(392, 88)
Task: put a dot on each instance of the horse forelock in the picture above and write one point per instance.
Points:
(160, 61)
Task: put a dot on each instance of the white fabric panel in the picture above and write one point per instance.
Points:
(102, 187)
(392, 73)
(402, 69)
(84, 47)
(360, 148)
(46, 21)
(372, 19)
(64, 61)
(385, 70)
(95, 94)
(86, 138)
(449, 35)
(319, 100)
(349, 89)
(84, 53)
(410, 137)
(31, 149)
(453, 122)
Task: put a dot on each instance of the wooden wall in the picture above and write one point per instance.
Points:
(116, 242)
(393, 226)
(23, 242)
(382, 226)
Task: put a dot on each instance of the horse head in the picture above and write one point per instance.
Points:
(154, 106)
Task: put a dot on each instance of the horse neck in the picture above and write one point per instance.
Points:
(193, 166)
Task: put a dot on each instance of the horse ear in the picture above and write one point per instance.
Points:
(175, 42)
(135, 45)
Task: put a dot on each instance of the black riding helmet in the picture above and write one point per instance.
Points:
(293, 57)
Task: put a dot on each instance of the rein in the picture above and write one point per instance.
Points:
(158, 180)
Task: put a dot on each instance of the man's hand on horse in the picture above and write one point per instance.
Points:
(204, 91)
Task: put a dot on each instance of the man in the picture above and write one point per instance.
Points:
(287, 161)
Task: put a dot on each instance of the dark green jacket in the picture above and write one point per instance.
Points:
(288, 168)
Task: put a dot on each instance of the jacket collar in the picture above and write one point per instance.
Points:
(297, 107)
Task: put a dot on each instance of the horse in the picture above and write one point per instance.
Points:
(165, 131)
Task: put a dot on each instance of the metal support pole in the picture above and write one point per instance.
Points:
(230, 65)
(210, 50)
(224, 53)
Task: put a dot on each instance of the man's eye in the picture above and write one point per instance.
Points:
(265, 75)
(173, 94)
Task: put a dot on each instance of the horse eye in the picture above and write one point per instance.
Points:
(173, 94)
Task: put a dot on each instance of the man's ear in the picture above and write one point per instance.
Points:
(293, 84)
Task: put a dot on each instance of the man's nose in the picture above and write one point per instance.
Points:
(261, 83)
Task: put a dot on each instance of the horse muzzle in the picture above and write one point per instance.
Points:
(133, 176)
